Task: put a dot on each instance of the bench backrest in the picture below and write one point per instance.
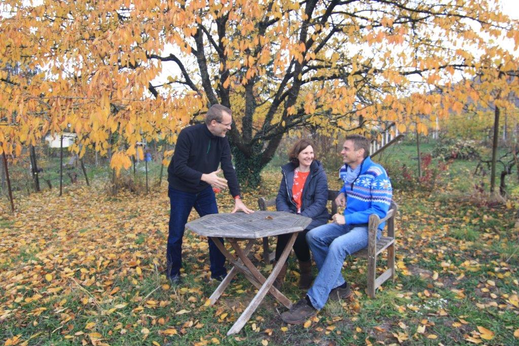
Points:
(264, 204)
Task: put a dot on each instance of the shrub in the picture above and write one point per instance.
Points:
(447, 149)
(405, 178)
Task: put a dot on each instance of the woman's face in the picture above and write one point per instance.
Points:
(306, 156)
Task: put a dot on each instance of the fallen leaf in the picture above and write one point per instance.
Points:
(485, 333)
(170, 331)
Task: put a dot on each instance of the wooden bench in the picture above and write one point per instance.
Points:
(386, 243)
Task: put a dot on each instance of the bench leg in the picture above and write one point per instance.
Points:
(391, 260)
(372, 272)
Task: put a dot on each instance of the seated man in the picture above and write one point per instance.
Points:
(367, 190)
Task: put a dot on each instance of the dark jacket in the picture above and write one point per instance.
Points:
(315, 194)
(199, 151)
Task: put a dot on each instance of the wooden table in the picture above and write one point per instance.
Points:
(241, 232)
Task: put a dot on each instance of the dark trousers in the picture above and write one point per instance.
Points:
(181, 205)
(300, 246)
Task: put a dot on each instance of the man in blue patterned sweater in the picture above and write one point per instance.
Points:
(367, 190)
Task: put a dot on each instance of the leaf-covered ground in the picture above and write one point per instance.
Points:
(87, 269)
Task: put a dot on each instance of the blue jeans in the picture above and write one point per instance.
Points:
(181, 204)
(330, 244)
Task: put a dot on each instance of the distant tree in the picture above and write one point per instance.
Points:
(280, 65)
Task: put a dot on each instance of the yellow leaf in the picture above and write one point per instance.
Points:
(485, 333)
(140, 154)
(170, 331)
(138, 270)
(90, 325)
(284, 329)
(307, 324)
(514, 300)
(264, 342)
(226, 83)
(473, 340)
(182, 312)
(516, 334)
(207, 302)
(13, 341)
(48, 277)
(145, 331)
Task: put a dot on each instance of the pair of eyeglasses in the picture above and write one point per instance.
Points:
(226, 125)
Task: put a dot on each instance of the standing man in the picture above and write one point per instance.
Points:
(367, 190)
(192, 174)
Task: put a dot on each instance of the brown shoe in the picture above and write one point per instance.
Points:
(340, 293)
(299, 313)
(306, 278)
(278, 283)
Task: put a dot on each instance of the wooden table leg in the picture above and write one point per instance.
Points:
(259, 277)
(255, 302)
(225, 283)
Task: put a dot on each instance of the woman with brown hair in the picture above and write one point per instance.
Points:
(303, 190)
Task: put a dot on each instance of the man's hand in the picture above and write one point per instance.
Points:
(340, 200)
(214, 180)
(339, 219)
(240, 206)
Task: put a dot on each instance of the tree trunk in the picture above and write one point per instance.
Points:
(114, 182)
(84, 171)
(497, 112)
(134, 167)
(248, 169)
(8, 182)
(502, 183)
(35, 170)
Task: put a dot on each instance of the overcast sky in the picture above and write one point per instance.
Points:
(511, 7)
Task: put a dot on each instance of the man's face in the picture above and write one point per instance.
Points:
(220, 128)
(350, 156)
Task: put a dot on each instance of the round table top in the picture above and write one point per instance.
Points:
(249, 226)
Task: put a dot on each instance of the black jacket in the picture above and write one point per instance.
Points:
(314, 198)
(199, 151)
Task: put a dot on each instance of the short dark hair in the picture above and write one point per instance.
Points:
(359, 142)
(298, 147)
(215, 113)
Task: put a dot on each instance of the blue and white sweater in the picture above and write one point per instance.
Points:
(370, 193)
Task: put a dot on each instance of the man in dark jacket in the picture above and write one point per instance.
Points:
(192, 174)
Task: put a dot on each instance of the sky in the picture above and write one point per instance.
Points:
(511, 7)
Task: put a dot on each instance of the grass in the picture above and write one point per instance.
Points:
(88, 269)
